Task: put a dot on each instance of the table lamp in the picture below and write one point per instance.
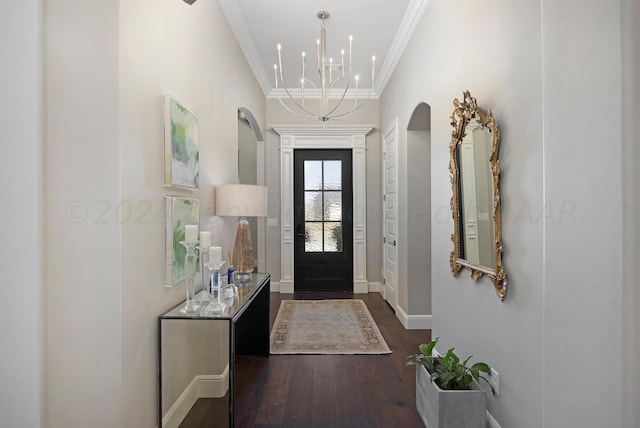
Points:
(242, 200)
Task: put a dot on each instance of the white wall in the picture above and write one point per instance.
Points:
(108, 65)
(551, 74)
(21, 302)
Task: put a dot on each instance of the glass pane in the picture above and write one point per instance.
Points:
(312, 175)
(332, 206)
(313, 206)
(333, 175)
(313, 237)
(332, 237)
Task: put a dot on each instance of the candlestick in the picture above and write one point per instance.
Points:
(275, 74)
(342, 61)
(191, 233)
(318, 43)
(303, 55)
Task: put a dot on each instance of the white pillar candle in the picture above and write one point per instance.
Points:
(191, 233)
(205, 239)
(215, 255)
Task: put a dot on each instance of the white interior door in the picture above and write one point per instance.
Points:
(390, 201)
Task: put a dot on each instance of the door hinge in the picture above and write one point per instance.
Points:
(384, 197)
(384, 240)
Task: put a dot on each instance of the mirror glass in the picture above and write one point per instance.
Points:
(475, 203)
(251, 171)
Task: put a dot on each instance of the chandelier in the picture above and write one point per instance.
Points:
(332, 76)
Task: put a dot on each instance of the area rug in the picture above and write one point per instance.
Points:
(326, 327)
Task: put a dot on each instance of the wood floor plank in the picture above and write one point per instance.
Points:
(354, 391)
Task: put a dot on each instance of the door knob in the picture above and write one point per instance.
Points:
(394, 242)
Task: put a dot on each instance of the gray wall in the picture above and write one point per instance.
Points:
(631, 236)
(108, 65)
(21, 294)
(535, 68)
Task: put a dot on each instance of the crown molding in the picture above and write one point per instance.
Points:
(241, 31)
(410, 21)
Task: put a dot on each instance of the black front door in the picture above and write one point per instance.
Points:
(323, 204)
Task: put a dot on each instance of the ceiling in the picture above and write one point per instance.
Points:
(379, 27)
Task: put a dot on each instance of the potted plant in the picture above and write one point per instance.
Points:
(447, 391)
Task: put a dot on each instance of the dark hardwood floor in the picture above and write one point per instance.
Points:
(326, 390)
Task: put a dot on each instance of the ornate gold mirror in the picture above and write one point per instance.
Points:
(475, 204)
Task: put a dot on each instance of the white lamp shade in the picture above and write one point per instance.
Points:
(241, 200)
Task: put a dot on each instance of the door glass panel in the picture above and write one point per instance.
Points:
(312, 175)
(313, 237)
(332, 206)
(323, 205)
(332, 237)
(313, 206)
(333, 175)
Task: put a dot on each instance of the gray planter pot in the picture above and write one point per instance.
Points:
(448, 409)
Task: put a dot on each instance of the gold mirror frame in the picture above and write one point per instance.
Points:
(463, 112)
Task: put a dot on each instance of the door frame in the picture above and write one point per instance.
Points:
(328, 137)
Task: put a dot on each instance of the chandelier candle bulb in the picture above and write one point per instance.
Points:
(275, 74)
(191, 233)
(280, 61)
(350, 62)
(330, 70)
(373, 69)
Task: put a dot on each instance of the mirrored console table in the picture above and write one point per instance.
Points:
(197, 352)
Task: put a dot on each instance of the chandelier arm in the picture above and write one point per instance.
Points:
(310, 116)
(337, 116)
(301, 107)
(339, 102)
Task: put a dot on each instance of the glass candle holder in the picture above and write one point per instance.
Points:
(190, 260)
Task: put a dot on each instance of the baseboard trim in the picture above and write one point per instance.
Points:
(286, 287)
(413, 322)
(275, 287)
(492, 422)
(202, 386)
(375, 287)
(361, 287)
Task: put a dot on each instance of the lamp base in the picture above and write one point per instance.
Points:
(243, 261)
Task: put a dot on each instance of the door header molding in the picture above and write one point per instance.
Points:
(319, 130)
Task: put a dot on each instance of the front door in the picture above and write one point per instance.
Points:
(323, 226)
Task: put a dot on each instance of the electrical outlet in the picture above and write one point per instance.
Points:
(494, 380)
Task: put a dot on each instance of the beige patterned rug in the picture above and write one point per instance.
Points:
(326, 327)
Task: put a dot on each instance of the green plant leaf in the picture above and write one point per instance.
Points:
(483, 367)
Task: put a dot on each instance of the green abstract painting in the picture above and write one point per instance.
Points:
(181, 153)
(179, 213)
